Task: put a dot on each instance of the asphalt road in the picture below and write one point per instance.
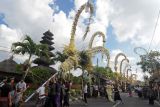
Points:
(128, 102)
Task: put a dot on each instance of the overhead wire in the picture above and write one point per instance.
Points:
(154, 31)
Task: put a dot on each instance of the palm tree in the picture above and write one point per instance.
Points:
(28, 46)
(84, 61)
(60, 57)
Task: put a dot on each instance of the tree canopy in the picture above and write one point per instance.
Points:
(28, 46)
(106, 72)
(150, 62)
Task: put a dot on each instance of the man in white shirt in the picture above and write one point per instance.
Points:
(96, 90)
(85, 93)
(41, 92)
(42, 96)
(21, 85)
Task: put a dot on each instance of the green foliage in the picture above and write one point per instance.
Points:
(28, 46)
(28, 92)
(84, 59)
(107, 72)
(60, 57)
(150, 62)
(40, 74)
(76, 80)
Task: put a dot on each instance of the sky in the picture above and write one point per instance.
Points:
(126, 24)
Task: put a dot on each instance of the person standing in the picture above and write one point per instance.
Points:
(58, 92)
(12, 83)
(51, 98)
(66, 95)
(4, 98)
(117, 97)
(15, 97)
(130, 90)
(41, 95)
(85, 93)
(62, 93)
(151, 95)
(21, 85)
(96, 90)
(139, 91)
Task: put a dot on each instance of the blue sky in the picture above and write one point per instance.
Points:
(2, 16)
(65, 5)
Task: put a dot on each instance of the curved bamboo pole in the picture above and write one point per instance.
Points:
(93, 37)
(100, 49)
(116, 60)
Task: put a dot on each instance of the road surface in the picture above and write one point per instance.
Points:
(128, 102)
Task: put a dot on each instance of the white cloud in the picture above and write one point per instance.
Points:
(8, 36)
(134, 20)
(32, 17)
(35, 17)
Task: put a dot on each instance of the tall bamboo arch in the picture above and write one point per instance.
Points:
(93, 37)
(74, 25)
(102, 50)
(125, 69)
(71, 51)
(125, 59)
(116, 60)
(127, 72)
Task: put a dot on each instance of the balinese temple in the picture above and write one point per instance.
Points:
(43, 60)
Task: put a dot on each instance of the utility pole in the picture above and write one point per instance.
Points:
(97, 62)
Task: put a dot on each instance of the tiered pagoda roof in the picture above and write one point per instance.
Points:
(47, 40)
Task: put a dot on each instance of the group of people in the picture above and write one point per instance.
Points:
(150, 93)
(11, 93)
(54, 94)
(104, 91)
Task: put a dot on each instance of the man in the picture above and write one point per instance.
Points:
(12, 83)
(51, 98)
(139, 91)
(130, 90)
(21, 85)
(96, 90)
(117, 97)
(66, 95)
(5, 89)
(41, 94)
(58, 92)
(85, 93)
(151, 95)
